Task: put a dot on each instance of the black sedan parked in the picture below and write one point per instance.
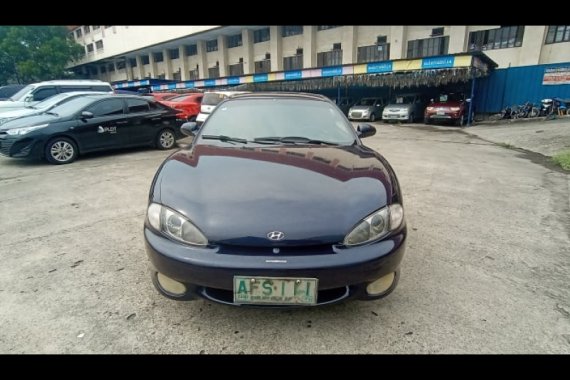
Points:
(275, 203)
(90, 123)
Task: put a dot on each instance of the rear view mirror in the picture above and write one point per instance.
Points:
(86, 115)
(365, 130)
(189, 129)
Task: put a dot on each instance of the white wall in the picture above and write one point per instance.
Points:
(290, 44)
(367, 34)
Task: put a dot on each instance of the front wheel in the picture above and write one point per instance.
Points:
(192, 118)
(411, 118)
(372, 117)
(461, 121)
(165, 139)
(60, 150)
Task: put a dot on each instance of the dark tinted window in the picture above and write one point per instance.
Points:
(155, 106)
(73, 88)
(107, 108)
(137, 105)
(44, 93)
(101, 88)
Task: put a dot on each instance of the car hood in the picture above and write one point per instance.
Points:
(9, 105)
(361, 108)
(18, 113)
(445, 104)
(397, 106)
(237, 195)
(28, 121)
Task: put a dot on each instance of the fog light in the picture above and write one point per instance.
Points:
(381, 285)
(171, 286)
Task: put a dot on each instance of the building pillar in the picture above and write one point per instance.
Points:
(202, 59)
(533, 38)
(184, 70)
(152, 64)
(309, 46)
(99, 74)
(349, 42)
(140, 67)
(275, 48)
(457, 39)
(167, 63)
(247, 41)
(128, 68)
(398, 42)
(223, 55)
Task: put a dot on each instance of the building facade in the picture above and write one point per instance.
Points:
(182, 53)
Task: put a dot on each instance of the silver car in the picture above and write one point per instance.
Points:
(406, 107)
(366, 109)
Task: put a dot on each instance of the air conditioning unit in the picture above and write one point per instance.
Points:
(299, 51)
(267, 55)
(241, 60)
(381, 40)
(437, 32)
(337, 46)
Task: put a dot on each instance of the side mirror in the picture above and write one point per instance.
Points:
(468, 100)
(189, 129)
(86, 115)
(365, 130)
(431, 100)
(28, 98)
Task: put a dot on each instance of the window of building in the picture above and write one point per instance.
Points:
(558, 33)
(177, 76)
(137, 105)
(214, 72)
(293, 63)
(263, 66)
(161, 76)
(428, 47)
(145, 59)
(99, 44)
(212, 45)
(103, 69)
(381, 40)
(193, 74)
(111, 67)
(329, 58)
(95, 27)
(261, 35)
(373, 53)
(90, 48)
(133, 62)
(86, 29)
(499, 38)
(78, 33)
(191, 50)
(325, 27)
(108, 26)
(436, 32)
(174, 53)
(234, 41)
(158, 57)
(291, 30)
(120, 65)
(236, 69)
(107, 108)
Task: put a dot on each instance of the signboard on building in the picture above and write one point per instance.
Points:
(556, 75)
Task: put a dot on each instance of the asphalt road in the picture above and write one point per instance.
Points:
(486, 269)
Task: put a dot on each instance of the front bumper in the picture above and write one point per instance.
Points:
(21, 146)
(342, 274)
(358, 116)
(395, 116)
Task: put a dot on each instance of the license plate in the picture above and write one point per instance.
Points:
(275, 290)
(441, 112)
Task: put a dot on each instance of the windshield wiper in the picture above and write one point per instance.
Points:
(51, 113)
(224, 138)
(292, 140)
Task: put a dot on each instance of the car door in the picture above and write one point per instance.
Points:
(140, 129)
(106, 129)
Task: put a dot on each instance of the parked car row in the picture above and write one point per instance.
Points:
(448, 107)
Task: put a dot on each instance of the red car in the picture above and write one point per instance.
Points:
(187, 104)
(163, 95)
(448, 107)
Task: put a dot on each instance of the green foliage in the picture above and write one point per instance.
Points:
(562, 159)
(35, 53)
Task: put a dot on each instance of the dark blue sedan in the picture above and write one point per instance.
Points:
(275, 203)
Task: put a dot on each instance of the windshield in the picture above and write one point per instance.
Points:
(22, 93)
(403, 100)
(366, 102)
(256, 118)
(50, 102)
(212, 98)
(72, 106)
(450, 98)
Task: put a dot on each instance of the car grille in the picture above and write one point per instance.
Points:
(322, 249)
(356, 114)
(323, 297)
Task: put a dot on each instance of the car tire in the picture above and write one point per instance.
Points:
(427, 121)
(60, 151)
(165, 139)
(461, 121)
(192, 118)
(372, 118)
(411, 118)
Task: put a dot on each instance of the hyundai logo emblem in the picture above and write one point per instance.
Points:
(276, 235)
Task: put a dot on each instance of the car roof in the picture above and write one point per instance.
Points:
(281, 95)
(72, 82)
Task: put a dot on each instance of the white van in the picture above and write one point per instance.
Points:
(211, 100)
(36, 92)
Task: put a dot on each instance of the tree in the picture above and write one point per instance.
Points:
(36, 53)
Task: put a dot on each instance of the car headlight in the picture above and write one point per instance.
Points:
(378, 224)
(173, 224)
(429, 108)
(23, 131)
(455, 109)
